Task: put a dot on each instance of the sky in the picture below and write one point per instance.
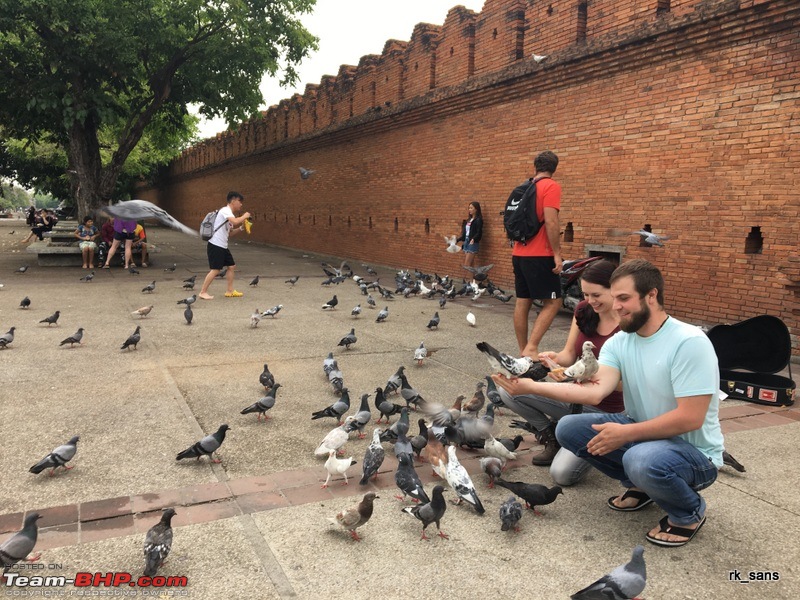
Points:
(347, 30)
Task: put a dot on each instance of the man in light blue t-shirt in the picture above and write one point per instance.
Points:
(667, 445)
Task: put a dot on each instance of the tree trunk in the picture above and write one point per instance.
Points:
(84, 156)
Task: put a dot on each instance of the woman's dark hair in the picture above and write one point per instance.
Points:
(86, 219)
(599, 273)
(477, 206)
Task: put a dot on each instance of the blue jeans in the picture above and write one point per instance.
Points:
(670, 471)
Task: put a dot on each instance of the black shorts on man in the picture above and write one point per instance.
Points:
(534, 277)
(219, 257)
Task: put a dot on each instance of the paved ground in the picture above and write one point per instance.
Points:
(257, 524)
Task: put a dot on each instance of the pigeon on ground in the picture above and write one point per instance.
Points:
(471, 319)
(223, 272)
(420, 354)
(139, 210)
(493, 394)
(370, 301)
(266, 378)
(143, 311)
(585, 367)
(132, 270)
(432, 512)
(337, 466)
(207, 446)
(356, 310)
(395, 381)
(727, 460)
(133, 340)
(442, 301)
(191, 279)
(409, 394)
(271, 312)
(336, 379)
(436, 454)
(7, 338)
(255, 318)
(150, 288)
(329, 364)
(262, 406)
(306, 173)
(492, 447)
(188, 315)
(473, 406)
(362, 417)
(21, 270)
(25, 303)
(188, 286)
(452, 247)
(458, 479)
(171, 269)
(419, 441)
(493, 467)
(158, 543)
(408, 481)
(373, 457)
(534, 494)
(349, 339)
(354, 517)
(52, 319)
(335, 438)
(623, 583)
(75, 338)
(382, 315)
(331, 303)
(21, 544)
(402, 445)
(254, 281)
(385, 408)
(335, 410)
(57, 458)
(434, 322)
(510, 514)
(503, 363)
(188, 301)
(88, 277)
(292, 280)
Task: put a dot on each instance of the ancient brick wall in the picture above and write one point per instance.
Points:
(678, 116)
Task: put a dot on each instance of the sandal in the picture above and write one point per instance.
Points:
(233, 294)
(665, 527)
(641, 498)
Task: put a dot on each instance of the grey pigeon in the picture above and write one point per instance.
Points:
(58, 457)
(503, 363)
(356, 310)
(623, 583)
(207, 446)
(335, 410)
(87, 278)
(306, 173)
(171, 269)
(354, 517)
(158, 543)
(7, 338)
(434, 322)
(188, 315)
(21, 269)
(329, 364)
(362, 417)
(493, 394)
(139, 210)
(25, 303)
(336, 379)
(395, 381)
(255, 318)
(133, 340)
(254, 281)
(479, 273)
(271, 312)
(409, 394)
(373, 457)
(729, 461)
(349, 339)
(21, 544)
(223, 272)
(402, 445)
(442, 301)
(331, 303)
(188, 301)
(534, 494)
(191, 279)
(370, 301)
(262, 406)
(408, 481)
(292, 280)
(150, 288)
(189, 285)
(52, 319)
(385, 408)
(432, 512)
(493, 467)
(382, 315)
(75, 338)
(132, 270)
(510, 514)
(266, 378)
(652, 238)
(585, 367)
(419, 441)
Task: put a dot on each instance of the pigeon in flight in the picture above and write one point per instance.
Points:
(534, 494)
(57, 458)
(503, 363)
(158, 543)
(21, 544)
(75, 338)
(452, 247)
(133, 340)
(432, 512)
(25, 303)
(434, 322)
(88, 278)
(149, 288)
(262, 406)
(510, 514)
(623, 583)
(188, 301)
(331, 303)
(647, 236)
(337, 466)
(537, 58)
(373, 457)
(349, 339)
(138, 210)
(585, 367)
(52, 319)
(382, 315)
(354, 517)
(7, 338)
(207, 446)
(188, 315)
(266, 378)
(143, 311)
(306, 173)
(292, 280)
(254, 281)
(479, 273)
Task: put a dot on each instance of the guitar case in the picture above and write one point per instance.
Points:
(750, 353)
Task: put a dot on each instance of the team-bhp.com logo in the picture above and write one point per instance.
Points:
(96, 580)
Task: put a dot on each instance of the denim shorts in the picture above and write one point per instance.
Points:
(471, 248)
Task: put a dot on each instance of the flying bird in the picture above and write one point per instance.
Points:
(158, 543)
(133, 340)
(479, 273)
(537, 58)
(262, 406)
(57, 458)
(354, 517)
(623, 583)
(207, 446)
(21, 544)
(503, 363)
(143, 311)
(647, 236)
(137, 210)
(306, 173)
(432, 512)
(75, 338)
(452, 247)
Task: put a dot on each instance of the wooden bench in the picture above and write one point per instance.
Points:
(60, 249)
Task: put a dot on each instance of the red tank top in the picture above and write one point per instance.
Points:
(613, 403)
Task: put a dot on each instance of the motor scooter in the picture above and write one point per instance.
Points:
(571, 293)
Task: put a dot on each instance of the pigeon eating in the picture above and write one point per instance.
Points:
(138, 210)
(158, 543)
(57, 458)
(625, 582)
(206, 447)
(503, 363)
(354, 517)
(534, 494)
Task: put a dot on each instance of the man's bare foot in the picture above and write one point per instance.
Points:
(204, 296)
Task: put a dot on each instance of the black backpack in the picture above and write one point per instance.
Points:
(519, 216)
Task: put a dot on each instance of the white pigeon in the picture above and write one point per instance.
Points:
(337, 466)
(420, 353)
(585, 367)
(458, 479)
(471, 319)
(503, 363)
(255, 319)
(452, 247)
(537, 58)
(138, 210)
(335, 439)
(626, 581)
(494, 448)
(648, 236)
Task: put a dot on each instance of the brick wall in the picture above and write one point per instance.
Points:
(685, 121)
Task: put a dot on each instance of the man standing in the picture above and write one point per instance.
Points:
(667, 445)
(537, 262)
(219, 255)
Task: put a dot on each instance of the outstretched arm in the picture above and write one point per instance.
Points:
(590, 392)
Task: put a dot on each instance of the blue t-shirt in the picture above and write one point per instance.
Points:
(84, 231)
(676, 361)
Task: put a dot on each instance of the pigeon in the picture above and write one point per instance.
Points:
(452, 247)
(419, 441)
(420, 354)
(188, 301)
(349, 339)
(369, 269)
(728, 460)
(432, 512)
(254, 281)
(354, 517)
(395, 381)
(408, 481)
(57, 458)
(493, 467)
(21, 544)
(493, 394)
(335, 410)
(337, 466)
(266, 378)
(362, 417)
(171, 269)
(473, 406)
(370, 301)
(434, 322)
(87, 278)
(222, 273)
(329, 364)
(458, 479)
(471, 319)
(537, 58)
(510, 514)
(189, 285)
(143, 311)
(306, 173)
(262, 406)
(158, 543)
(292, 280)
(534, 494)
(503, 363)
(207, 446)
(75, 338)
(255, 318)
(25, 303)
(21, 270)
(623, 583)
(132, 270)
(188, 315)
(335, 439)
(585, 367)
(7, 338)
(385, 408)
(436, 454)
(479, 273)
(271, 312)
(150, 288)
(373, 457)
(402, 445)
(133, 340)
(138, 210)
(336, 379)
(382, 315)
(409, 394)
(52, 319)
(356, 310)
(331, 303)
(191, 279)
(492, 447)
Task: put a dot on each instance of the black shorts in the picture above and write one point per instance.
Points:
(219, 257)
(534, 277)
(121, 235)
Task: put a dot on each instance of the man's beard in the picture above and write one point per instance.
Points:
(636, 320)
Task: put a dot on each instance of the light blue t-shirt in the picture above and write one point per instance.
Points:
(676, 361)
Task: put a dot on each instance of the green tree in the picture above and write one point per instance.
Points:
(90, 79)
